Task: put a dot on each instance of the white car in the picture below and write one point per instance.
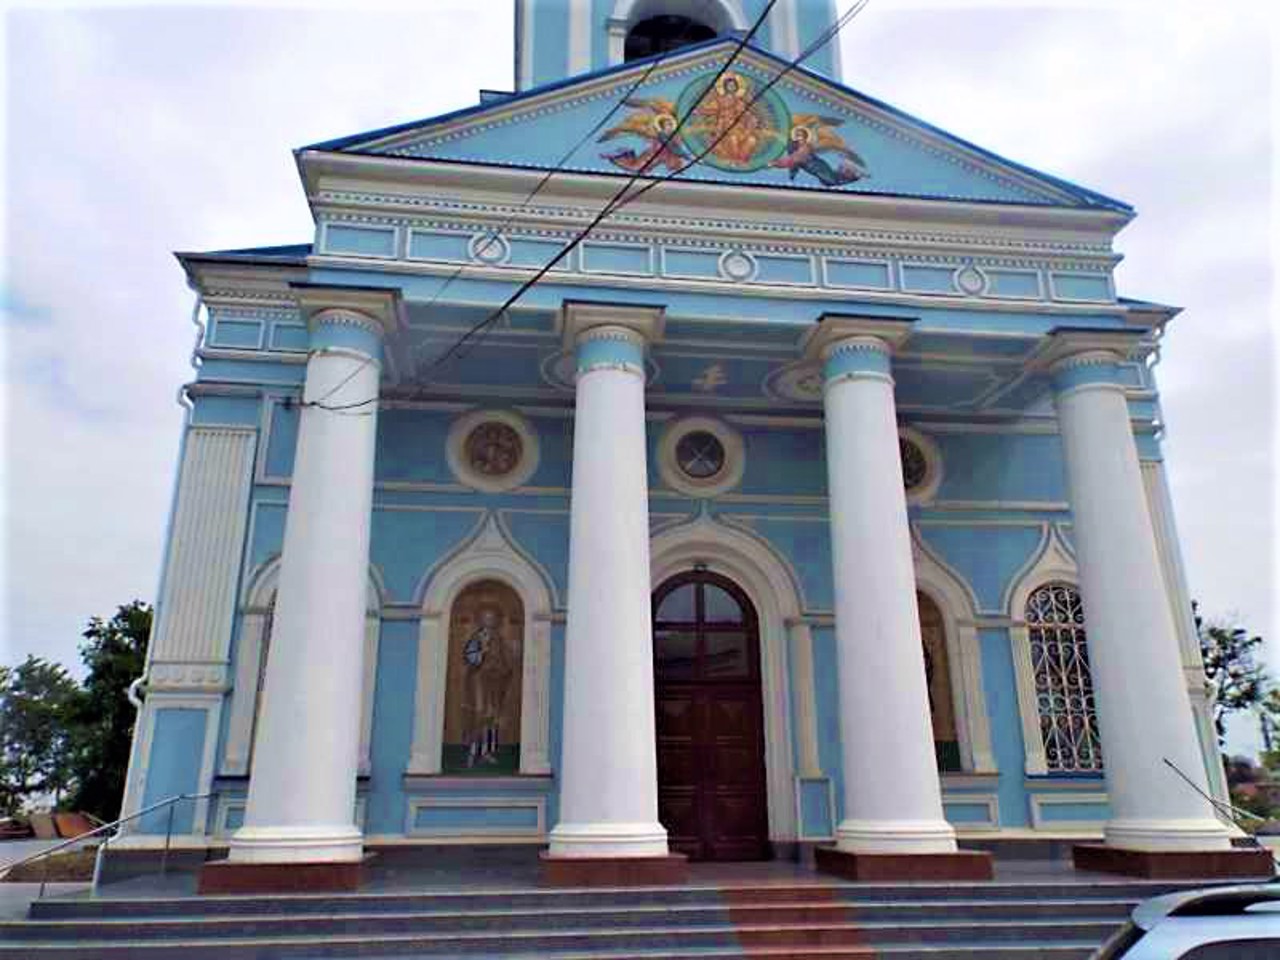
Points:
(1219, 923)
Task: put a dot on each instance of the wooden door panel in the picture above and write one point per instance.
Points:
(709, 713)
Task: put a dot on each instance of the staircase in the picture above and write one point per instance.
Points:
(780, 920)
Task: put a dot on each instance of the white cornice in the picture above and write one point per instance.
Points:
(679, 199)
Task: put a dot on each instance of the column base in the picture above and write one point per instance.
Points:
(226, 876)
(1175, 864)
(342, 843)
(889, 867)
(671, 869)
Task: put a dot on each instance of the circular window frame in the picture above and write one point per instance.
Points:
(456, 450)
(726, 478)
(928, 486)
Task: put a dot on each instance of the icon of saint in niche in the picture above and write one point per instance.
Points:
(489, 672)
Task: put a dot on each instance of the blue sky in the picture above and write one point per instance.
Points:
(134, 131)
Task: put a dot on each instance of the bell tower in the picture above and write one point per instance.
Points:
(558, 39)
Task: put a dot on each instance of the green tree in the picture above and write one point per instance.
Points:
(1238, 681)
(114, 653)
(37, 699)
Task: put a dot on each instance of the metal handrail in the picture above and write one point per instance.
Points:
(1214, 801)
(169, 802)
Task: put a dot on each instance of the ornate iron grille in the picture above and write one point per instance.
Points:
(1064, 684)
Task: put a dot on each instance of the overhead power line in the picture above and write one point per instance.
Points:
(622, 197)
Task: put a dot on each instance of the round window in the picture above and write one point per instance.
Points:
(915, 466)
(700, 454)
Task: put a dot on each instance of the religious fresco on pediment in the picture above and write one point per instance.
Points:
(735, 124)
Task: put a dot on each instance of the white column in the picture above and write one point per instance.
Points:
(302, 786)
(1144, 712)
(608, 767)
(892, 794)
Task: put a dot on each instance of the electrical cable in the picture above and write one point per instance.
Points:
(621, 197)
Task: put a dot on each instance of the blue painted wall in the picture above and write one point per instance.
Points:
(177, 749)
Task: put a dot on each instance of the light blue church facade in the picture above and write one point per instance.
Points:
(816, 497)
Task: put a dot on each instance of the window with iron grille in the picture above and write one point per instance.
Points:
(1064, 683)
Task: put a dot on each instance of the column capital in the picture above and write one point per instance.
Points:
(373, 309)
(1076, 357)
(835, 330)
(580, 317)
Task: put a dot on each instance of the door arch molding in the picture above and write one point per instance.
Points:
(767, 582)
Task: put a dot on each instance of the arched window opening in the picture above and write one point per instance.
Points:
(268, 622)
(937, 670)
(1064, 683)
(662, 34)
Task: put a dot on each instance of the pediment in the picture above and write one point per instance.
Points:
(801, 130)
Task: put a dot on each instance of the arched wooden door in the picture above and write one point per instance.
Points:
(710, 719)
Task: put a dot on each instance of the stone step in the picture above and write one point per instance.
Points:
(751, 914)
(454, 900)
(252, 943)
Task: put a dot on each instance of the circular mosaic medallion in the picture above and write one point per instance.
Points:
(493, 449)
(700, 454)
(971, 280)
(737, 265)
(736, 131)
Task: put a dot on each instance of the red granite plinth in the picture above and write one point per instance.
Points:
(224, 876)
(891, 867)
(669, 870)
(1175, 864)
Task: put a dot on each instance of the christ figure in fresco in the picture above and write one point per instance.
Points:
(489, 672)
(732, 125)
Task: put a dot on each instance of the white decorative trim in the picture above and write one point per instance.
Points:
(830, 835)
(197, 604)
(726, 478)
(259, 594)
(989, 800)
(771, 586)
(933, 465)
(489, 247)
(455, 450)
(800, 644)
(136, 786)
(738, 265)
(956, 603)
(1051, 562)
(1038, 801)
(489, 553)
(536, 803)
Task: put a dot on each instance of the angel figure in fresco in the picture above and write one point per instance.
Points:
(812, 134)
(654, 120)
(489, 672)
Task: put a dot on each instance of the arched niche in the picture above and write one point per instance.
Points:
(1052, 562)
(957, 605)
(489, 554)
(720, 16)
(771, 586)
(256, 616)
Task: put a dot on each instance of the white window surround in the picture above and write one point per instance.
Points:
(1051, 562)
(958, 607)
(489, 553)
(455, 450)
(729, 475)
(927, 487)
(770, 584)
(722, 16)
(255, 612)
